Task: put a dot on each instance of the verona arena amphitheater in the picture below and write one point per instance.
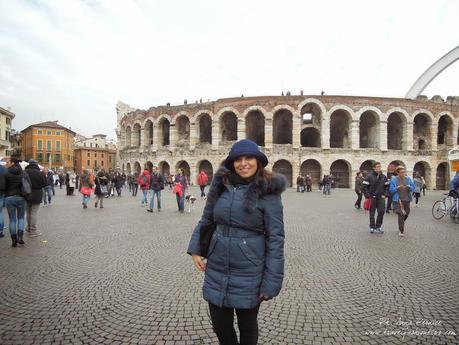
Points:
(314, 135)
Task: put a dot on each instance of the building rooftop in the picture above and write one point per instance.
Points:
(49, 124)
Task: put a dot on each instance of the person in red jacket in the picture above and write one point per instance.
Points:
(203, 179)
(144, 183)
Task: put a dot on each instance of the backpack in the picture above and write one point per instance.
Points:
(26, 186)
(143, 180)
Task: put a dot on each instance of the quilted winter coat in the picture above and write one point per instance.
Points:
(246, 252)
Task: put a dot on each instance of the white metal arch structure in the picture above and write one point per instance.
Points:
(432, 72)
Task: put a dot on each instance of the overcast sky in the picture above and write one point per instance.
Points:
(73, 60)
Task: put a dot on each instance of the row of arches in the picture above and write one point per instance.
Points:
(341, 170)
(340, 124)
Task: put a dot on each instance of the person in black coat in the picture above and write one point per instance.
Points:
(376, 187)
(11, 183)
(38, 181)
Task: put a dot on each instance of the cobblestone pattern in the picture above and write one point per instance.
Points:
(120, 275)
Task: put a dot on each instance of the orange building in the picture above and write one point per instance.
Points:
(94, 158)
(50, 144)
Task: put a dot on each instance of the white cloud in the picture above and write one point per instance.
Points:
(72, 61)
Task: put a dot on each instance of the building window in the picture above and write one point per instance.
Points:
(89, 163)
(90, 144)
(102, 163)
(58, 145)
(58, 133)
(48, 145)
(7, 135)
(49, 133)
(102, 155)
(84, 144)
(40, 145)
(89, 154)
(95, 164)
(48, 158)
(95, 154)
(39, 131)
(110, 159)
(57, 157)
(40, 157)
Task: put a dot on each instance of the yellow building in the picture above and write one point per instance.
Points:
(6, 117)
(50, 144)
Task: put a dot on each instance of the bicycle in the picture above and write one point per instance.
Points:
(446, 206)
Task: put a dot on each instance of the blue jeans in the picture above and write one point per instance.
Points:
(47, 190)
(152, 199)
(180, 201)
(15, 206)
(2, 220)
(86, 199)
(144, 197)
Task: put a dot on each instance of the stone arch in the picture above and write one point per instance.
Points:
(340, 128)
(393, 165)
(207, 167)
(164, 126)
(283, 126)
(228, 126)
(396, 130)
(186, 167)
(442, 176)
(136, 136)
(366, 167)
(302, 106)
(424, 169)
(422, 126)
(369, 129)
(313, 168)
(341, 173)
(148, 132)
(164, 168)
(255, 126)
(445, 129)
(128, 167)
(137, 167)
(284, 167)
(128, 136)
(310, 137)
(182, 125)
(204, 121)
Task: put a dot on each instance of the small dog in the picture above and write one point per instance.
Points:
(190, 199)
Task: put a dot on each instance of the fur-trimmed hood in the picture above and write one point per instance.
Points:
(256, 189)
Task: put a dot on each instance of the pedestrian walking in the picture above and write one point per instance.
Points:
(203, 179)
(402, 188)
(418, 184)
(49, 188)
(135, 183)
(101, 181)
(2, 200)
(389, 202)
(72, 182)
(424, 186)
(327, 183)
(15, 202)
(308, 183)
(299, 184)
(156, 186)
(144, 183)
(86, 185)
(38, 182)
(119, 182)
(376, 187)
(180, 188)
(358, 190)
(246, 249)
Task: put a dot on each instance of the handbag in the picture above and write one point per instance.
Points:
(103, 187)
(205, 236)
(367, 204)
(86, 190)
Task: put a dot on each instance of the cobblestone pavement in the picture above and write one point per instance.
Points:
(121, 275)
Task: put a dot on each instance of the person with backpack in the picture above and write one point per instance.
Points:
(180, 187)
(203, 179)
(245, 255)
(102, 182)
(376, 187)
(15, 199)
(38, 182)
(156, 186)
(144, 183)
(402, 188)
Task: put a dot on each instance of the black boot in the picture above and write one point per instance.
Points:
(21, 237)
(14, 240)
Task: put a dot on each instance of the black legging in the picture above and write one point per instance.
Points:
(222, 323)
(358, 203)
(416, 197)
(203, 193)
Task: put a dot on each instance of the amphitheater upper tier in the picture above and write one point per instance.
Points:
(314, 135)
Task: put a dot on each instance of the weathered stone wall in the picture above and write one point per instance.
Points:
(349, 132)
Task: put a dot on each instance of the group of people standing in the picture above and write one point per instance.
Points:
(386, 193)
(304, 183)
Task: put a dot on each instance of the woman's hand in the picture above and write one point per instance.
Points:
(200, 265)
(263, 297)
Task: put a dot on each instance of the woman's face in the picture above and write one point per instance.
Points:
(9, 162)
(246, 166)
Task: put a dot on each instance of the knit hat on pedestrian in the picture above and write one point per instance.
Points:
(245, 147)
(32, 161)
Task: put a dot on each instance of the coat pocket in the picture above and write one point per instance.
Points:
(249, 253)
(213, 242)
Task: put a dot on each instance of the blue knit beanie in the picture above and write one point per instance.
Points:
(245, 147)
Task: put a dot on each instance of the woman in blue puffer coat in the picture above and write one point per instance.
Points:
(245, 258)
